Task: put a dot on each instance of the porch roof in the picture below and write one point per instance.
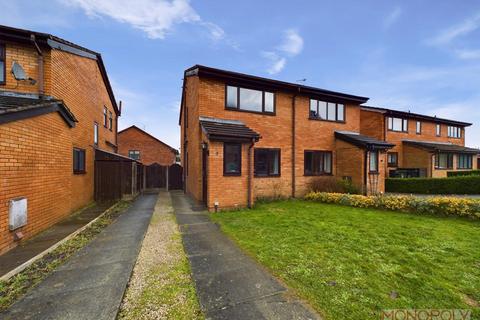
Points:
(363, 141)
(15, 107)
(227, 130)
(441, 147)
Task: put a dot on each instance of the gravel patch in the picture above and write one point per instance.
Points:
(161, 286)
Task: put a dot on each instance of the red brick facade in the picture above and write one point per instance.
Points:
(205, 97)
(151, 150)
(36, 154)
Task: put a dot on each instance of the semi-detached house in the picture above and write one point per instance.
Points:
(57, 109)
(245, 137)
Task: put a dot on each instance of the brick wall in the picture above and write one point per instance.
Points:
(151, 150)
(372, 124)
(36, 153)
(350, 162)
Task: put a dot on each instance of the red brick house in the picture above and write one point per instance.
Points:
(56, 108)
(137, 144)
(245, 137)
(425, 146)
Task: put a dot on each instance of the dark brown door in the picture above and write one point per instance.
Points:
(204, 175)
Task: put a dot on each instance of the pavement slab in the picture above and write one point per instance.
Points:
(91, 284)
(230, 284)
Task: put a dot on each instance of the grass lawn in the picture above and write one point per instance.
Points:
(351, 263)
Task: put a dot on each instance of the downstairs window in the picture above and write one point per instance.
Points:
(267, 162)
(444, 161)
(317, 163)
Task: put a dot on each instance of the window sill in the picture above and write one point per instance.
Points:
(79, 172)
(251, 111)
(232, 174)
(397, 131)
(443, 168)
(373, 172)
(317, 175)
(326, 120)
(267, 176)
(393, 165)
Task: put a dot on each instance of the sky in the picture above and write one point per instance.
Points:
(418, 56)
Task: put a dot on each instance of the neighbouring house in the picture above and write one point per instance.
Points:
(425, 146)
(57, 109)
(137, 144)
(245, 137)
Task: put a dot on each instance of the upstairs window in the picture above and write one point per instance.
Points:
(397, 124)
(267, 162)
(3, 68)
(317, 163)
(438, 130)
(419, 127)
(250, 100)
(327, 111)
(454, 132)
(232, 159)
(134, 154)
(464, 161)
(444, 161)
(78, 161)
(392, 159)
(110, 120)
(105, 112)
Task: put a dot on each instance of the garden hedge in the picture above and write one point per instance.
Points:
(463, 173)
(435, 205)
(452, 185)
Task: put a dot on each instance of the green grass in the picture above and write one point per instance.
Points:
(349, 263)
(17, 286)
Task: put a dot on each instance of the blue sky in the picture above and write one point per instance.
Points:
(422, 56)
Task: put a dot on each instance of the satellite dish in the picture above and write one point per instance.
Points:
(18, 71)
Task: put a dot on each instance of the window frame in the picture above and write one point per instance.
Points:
(110, 120)
(438, 130)
(3, 57)
(77, 169)
(469, 163)
(96, 134)
(392, 164)
(404, 124)
(449, 161)
(232, 174)
(418, 127)
(105, 117)
(268, 150)
(451, 130)
(270, 113)
(134, 151)
(327, 103)
(377, 169)
(323, 172)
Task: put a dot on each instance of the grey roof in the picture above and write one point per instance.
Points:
(441, 147)
(16, 107)
(363, 141)
(227, 130)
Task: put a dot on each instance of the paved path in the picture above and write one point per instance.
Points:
(91, 284)
(47, 238)
(229, 284)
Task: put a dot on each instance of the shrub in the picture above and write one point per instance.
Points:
(453, 185)
(438, 205)
(332, 184)
(463, 173)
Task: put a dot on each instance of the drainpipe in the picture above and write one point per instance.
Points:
(365, 173)
(294, 100)
(249, 176)
(184, 155)
(41, 89)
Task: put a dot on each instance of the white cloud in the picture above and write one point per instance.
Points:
(465, 27)
(154, 17)
(467, 54)
(392, 17)
(292, 43)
